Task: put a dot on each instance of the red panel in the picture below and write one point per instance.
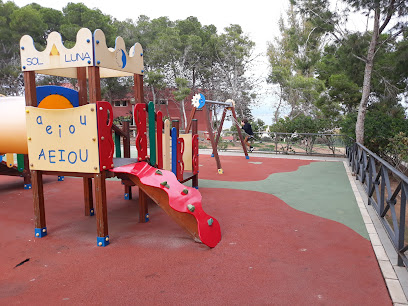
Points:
(177, 200)
(195, 154)
(141, 137)
(106, 146)
(159, 122)
(180, 162)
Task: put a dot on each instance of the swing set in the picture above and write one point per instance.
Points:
(199, 102)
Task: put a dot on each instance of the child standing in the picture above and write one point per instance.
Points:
(246, 126)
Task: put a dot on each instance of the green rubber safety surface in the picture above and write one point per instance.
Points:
(320, 188)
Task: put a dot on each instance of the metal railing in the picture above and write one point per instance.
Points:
(322, 144)
(387, 191)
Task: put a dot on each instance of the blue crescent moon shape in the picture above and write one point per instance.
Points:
(123, 59)
(201, 101)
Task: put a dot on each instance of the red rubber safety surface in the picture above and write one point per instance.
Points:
(238, 169)
(269, 254)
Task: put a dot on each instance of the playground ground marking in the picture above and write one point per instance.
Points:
(388, 271)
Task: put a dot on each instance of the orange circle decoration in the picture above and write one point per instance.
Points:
(55, 102)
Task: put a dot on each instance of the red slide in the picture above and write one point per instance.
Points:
(181, 203)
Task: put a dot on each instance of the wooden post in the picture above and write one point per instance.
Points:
(194, 131)
(190, 119)
(94, 84)
(239, 133)
(87, 182)
(36, 176)
(82, 88)
(88, 198)
(38, 197)
(101, 205)
(224, 113)
(126, 139)
(211, 133)
(30, 88)
(143, 208)
(27, 173)
(138, 88)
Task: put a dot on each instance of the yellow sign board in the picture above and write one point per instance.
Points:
(63, 139)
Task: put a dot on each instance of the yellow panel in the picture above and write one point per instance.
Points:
(56, 55)
(166, 146)
(188, 151)
(55, 102)
(116, 60)
(63, 139)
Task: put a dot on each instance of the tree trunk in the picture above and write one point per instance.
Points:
(367, 80)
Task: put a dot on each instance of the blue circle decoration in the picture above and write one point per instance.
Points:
(201, 101)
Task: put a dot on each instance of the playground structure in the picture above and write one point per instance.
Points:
(75, 139)
(199, 102)
(13, 133)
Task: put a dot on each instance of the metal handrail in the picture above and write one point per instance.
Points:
(374, 174)
(302, 143)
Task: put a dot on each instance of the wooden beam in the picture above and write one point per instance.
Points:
(82, 88)
(239, 132)
(30, 88)
(224, 113)
(101, 205)
(211, 134)
(190, 119)
(38, 199)
(88, 197)
(138, 88)
(143, 206)
(94, 84)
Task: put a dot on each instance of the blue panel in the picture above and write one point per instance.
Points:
(91, 212)
(27, 186)
(40, 232)
(60, 178)
(127, 196)
(48, 90)
(102, 241)
(1, 158)
(247, 157)
(174, 151)
(147, 217)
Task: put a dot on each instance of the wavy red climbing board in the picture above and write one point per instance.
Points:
(184, 200)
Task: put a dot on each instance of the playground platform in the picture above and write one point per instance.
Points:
(295, 231)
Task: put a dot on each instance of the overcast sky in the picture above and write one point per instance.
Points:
(258, 19)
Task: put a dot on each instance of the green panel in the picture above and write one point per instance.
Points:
(20, 162)
(152, 133)
(117, 145)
